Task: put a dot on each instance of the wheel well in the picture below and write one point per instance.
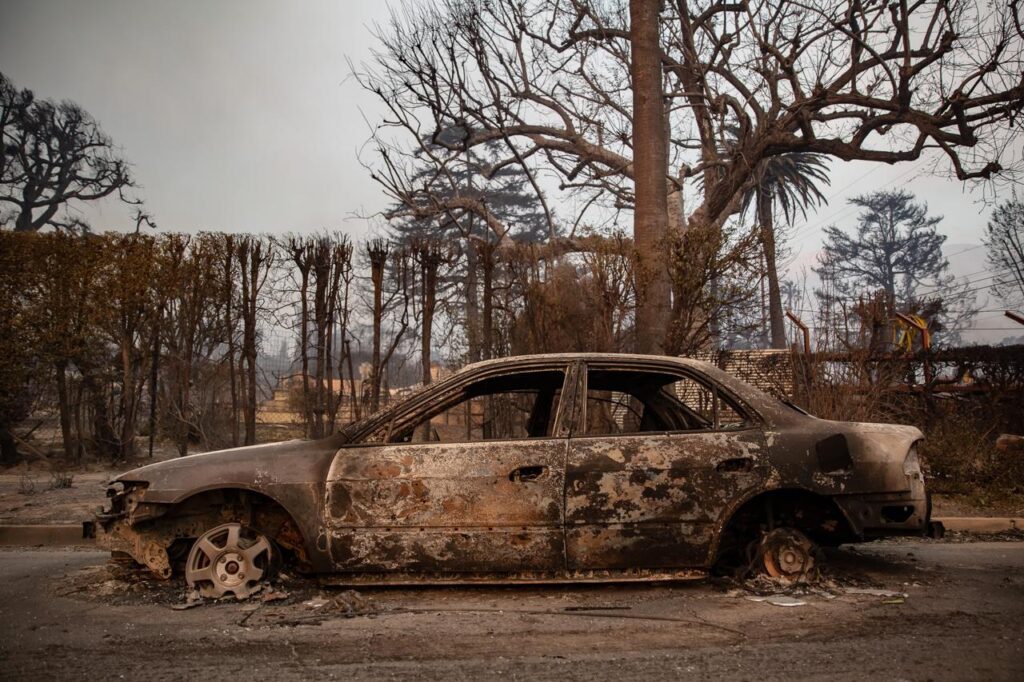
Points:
(817, 516)
(193, 516)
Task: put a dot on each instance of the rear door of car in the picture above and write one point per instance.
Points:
(644, 494)
(482, 490)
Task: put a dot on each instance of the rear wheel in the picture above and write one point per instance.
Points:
(786, 554)
(230, 559)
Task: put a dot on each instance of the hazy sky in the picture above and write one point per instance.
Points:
(236, 115)
(242, 116)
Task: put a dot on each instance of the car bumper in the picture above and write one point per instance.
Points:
(879, 515)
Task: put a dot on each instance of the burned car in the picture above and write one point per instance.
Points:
(576, 467)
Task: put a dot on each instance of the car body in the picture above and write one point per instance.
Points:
(548, 467)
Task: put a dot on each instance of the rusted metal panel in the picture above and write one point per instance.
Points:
(385, 505)
(414, 578)
(645, 545)
(500, 549)
(653, 500)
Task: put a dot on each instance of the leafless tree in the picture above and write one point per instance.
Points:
(430, 256)
(53, 154)
(256, 258)
(126, 312)
(331, 277)
(390, 281)
(300, 253)
(1004, 237)
(228, 294)
(192, 330)
(882, 82)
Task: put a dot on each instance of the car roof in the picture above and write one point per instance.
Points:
(768, 407)
(762, 402)
(626, 358)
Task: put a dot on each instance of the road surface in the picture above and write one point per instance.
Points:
(65, 615)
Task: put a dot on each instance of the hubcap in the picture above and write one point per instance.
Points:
(230, 559)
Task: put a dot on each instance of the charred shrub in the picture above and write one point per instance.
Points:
(960, 455)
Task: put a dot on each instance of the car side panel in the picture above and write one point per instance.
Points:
(654, 500)
(447, 507)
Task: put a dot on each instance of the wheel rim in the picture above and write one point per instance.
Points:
(230, 559)
(787, 554)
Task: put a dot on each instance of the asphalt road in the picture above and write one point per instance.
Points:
(63, 616)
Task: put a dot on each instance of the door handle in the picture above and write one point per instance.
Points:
(527, 473)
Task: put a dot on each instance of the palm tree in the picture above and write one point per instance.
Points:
(787, 183)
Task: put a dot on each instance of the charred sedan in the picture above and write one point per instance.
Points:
(541, 468)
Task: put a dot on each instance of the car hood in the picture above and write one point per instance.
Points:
(252, 467)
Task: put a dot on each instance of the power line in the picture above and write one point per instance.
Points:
(851, 207)
(971, 248)
(934, 288)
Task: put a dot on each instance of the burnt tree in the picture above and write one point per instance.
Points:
(880, 82)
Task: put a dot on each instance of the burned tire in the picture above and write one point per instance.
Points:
(230, 559)
(786, 554)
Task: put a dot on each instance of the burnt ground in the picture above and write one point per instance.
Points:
(71, 614)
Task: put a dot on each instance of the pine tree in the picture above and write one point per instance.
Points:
(895, 250)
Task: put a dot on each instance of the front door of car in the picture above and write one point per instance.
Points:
(650, 469)
(475, 484)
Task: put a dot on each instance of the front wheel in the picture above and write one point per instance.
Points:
(230, 559)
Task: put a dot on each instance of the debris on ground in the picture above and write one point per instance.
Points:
(777, 600)
(272, 595)
(193, 600)
(875, 592)
(829, 585)
(119, 583)
(316, 602)
(315, 610)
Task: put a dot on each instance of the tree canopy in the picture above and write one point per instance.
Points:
(550, 81)
(54, 155)
(895, 247)
(1004, 237)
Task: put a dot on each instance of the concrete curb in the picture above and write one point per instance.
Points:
(981, 524)
(54, 535)
(63, 535)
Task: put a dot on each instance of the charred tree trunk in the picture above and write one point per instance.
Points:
(255, 259)
(299, 250)
(429, 255)
(129, 398)
(378, 253)
(154, 374)
(356, 411)
(304, 349)
(64, 406)
(8, 446)
(106, 441)
(766, 223)
(321, 278)
(184, 403)
(487, 321)
(343, 348)
(650, 162)
(229, 324)
(472, 304)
